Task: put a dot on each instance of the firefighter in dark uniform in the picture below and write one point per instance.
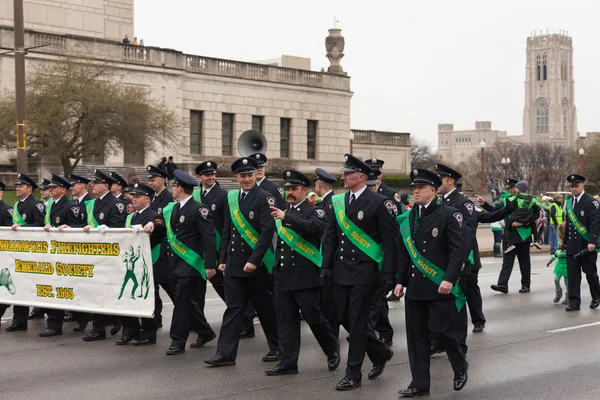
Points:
(192, 227)
(435, 236)
(28, 211)
(147, 220)
(355, 265)
(382, 188)
(582, 241)
(379, 315)
(297, 276)
(79, 190)
(106, 212)
(246, 262)
(6, 219)
(117, 190)
(324, 187)
(59, 211)
(215, 198)
(164, 278)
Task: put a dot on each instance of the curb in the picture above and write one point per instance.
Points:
(490, 252)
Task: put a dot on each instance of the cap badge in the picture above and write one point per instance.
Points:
(572, 176)
(346, 158)
(258, 156)
(416, 172)
(149, 169)
(288, 174)
(374, 161)
(19, 176)
(208, 164)
(136, 185)
(244, 161)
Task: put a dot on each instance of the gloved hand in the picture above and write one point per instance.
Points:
(326, 276)
(136, 228)
(548, 264)
(389, 282)
(102, 228)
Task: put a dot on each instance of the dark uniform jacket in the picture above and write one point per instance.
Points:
(81, 206)
(128, 204)
(292, 270)
(440, 238)
(374, 215)
(149, 215)
(161, 200)
(216, 201)
(470, 223)
(510, 232)
(192, 226)
(6, 212)
(587, 211)
(235, 252)
(109, 211)
(32, 211)
(276, 191)
(390, 193)
(66, 212)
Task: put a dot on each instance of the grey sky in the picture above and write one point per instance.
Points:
(413, 64)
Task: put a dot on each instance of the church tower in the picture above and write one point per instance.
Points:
(550, 115)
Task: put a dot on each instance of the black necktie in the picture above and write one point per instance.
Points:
(176, 210)
(204, 192)
(154, 198)
(243, 196)
(352, 198)
(575, 202)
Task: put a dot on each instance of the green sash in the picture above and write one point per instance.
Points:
(299, 244)
(48, 209)
(198, 197)
(155, 250)
(89, 209)
(245, 229)
(188, 255)
(426, 267)
(17, 216)
(581, 229)
(356, 235)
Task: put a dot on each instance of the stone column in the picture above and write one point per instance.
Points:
(334, 44)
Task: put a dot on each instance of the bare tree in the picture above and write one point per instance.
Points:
(421, 155)
(77, 108)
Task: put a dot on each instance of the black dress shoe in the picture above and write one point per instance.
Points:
(460, 380)
(333, 361)
(524, 290)
(247, 333)
(594, 304)
(125, 340)
(387, 341)
(271, 356)
(116, 328)
(143, 342)
(478, 328)
(201, 341)
(51, 332)
(174, 350)
(348, 384)
(571, 307)
(81, 327)
(378, 368)
(500, 288)
(219, 361)
(279, 370)
(93, 337)
(35, 315)
(412, 392)
(16, 328)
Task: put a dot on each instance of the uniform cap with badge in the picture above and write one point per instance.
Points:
(422, 176)
(118, 178)
(324, 176)
(575, 179)
(103, 177)
(444, 170)
(373, 178)
(353, 164)
(260, 158)
(375, 164)
(78, 179)
(44, 184)
(155, 172)
(510, 183)
(23, 179)
(184, 179)
(141, 189)
(295, 178)
(59, 181)
(244, 165)
(206, 168)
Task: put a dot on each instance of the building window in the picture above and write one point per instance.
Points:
(227, 134)
(565, 116)
(538, 67)
(545, 66)
(195, 132)
(311, 139)
(257, 123)
(284, 137)
(541, 117)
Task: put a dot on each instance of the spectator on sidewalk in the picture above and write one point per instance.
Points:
(171, 166)
(126, 39)
(163, 164)
(134, 42)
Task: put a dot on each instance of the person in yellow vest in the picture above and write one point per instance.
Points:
(556, 218)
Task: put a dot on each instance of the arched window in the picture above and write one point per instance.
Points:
(565, 118)
(545, 69)
(538, 67)
(541, 117)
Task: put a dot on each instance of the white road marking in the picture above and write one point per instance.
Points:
(572, 328)
(533, 270)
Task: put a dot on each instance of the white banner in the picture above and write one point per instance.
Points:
(105, 273)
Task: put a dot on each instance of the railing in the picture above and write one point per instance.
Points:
(136, 53)
(382, 138)
(50, 42)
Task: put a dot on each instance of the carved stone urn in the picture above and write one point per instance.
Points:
(334, 44)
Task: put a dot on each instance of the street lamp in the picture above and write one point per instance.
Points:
(482, 145)
(581, 153)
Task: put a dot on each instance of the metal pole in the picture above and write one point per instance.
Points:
(482, 172)
(21, 126)
(581, 164)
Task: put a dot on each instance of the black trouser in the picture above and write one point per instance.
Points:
(474, 299)
(20, 315)
(149, 326)
(329, 307)
(3, 308)
(250, 313)
(190, 292)
(55, 319)
(162, 278)
(378, 315)
(587, 264)
(354, 304)
(426, 319)
(218, 284)
(308, 301)
(522, 253)
(461, 322)
(99, 322)
(238, 293)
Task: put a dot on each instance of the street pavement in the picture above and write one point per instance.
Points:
(530, 349)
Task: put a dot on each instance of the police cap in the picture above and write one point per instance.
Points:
(575, 179)
(155, 172)
(207, 167)
(324, 176)
(444, 170)
(103, 177)
(141, 189)
(260, 158)
(78, 179)
(244, 165)
(23, 179)
(295, 178)
(184, 179)
(118, 178)
(353, 164)
(375, 163)
(511, 182)
(425, 177)
(373, 178)
(59, 181)
(44, 184)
